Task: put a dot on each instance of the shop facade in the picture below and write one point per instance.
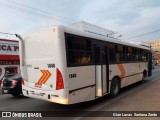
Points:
(9, 57)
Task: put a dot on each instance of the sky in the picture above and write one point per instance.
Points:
(129, 18)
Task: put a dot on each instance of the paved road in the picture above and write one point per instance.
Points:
(138, 97)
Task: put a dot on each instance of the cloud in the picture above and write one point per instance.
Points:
(128, 18)
(146, 21)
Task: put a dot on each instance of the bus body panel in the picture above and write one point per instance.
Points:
(81, 81)
(44, 55)
(132, 72)
(39, 54)
(84, 76)
(82, 95)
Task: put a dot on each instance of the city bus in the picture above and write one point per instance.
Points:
(67, 66)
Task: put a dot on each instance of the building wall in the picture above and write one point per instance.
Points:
(155, 47)
(9, 57)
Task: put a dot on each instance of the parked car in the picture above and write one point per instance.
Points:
(12, 84)
(5, 76)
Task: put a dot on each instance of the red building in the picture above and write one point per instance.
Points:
(9, 57)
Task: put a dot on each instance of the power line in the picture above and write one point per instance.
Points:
(6, 33)
(23, 10)
(28, 11)
(47, 15)
(40, 10)
(142, 34)
(31, 12)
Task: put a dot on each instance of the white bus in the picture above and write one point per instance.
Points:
(63, 65)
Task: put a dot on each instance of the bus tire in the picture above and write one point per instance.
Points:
(143, 76)
(115, 87)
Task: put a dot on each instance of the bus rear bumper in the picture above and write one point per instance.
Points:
(44, 95)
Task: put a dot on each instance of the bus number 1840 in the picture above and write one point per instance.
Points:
(74, 75)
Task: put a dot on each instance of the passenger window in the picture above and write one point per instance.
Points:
(119, 53)
(79, 50)
(112, 53)
(130, 54)
(144, 55)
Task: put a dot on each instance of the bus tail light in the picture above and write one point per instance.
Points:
(59, 80)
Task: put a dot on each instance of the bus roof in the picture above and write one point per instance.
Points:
(101, 37)
(90, 35)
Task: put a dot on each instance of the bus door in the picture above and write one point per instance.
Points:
(101, 69)
(149, 64)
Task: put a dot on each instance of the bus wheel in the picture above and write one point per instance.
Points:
(115, 87)
(143, 76)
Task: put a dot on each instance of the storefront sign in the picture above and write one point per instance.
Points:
(14, 62)
(9, 47)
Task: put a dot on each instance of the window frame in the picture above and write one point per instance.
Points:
(68, 51)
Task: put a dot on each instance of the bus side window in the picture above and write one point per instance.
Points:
(140, 55)
(86, 60)
(97, 55)
(130, 54)
(137, 54)
(112, 53)
(119, 53)
(79, 50)
(144, 56)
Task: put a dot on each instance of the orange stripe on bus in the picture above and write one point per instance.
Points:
(41, 78)
(45, 76)
(122, 70)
